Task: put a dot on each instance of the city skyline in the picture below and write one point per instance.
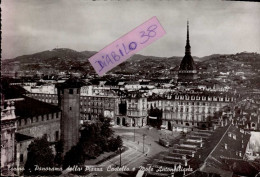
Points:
(215, 27)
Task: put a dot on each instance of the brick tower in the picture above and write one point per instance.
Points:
(69, 102)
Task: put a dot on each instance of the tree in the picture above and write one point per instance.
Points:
(59, 147)
(39, 153)
(75, 156)
(155, 112)
(119, 141)
(106, 129)
(115, 143)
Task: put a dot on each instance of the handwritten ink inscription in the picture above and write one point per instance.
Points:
(126, 46)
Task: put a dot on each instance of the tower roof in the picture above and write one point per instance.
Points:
(72, 82)
(187, 62)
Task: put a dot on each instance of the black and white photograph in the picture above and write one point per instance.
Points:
(120, 88)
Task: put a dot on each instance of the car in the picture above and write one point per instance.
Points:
(164, 142)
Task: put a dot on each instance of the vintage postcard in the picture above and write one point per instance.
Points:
(118, 88)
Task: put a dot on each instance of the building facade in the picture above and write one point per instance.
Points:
(91, 107)
(182, 112)
(8, 129)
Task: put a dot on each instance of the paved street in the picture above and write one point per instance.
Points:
(134, 156)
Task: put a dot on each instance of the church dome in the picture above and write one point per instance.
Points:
(187, 63)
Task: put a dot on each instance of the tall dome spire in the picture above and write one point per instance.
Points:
(187, 70)
(187, 62)
(187, 47)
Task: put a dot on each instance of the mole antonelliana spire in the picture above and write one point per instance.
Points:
(187, 70)
(187, 47)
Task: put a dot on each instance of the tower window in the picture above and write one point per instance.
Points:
(70, 108)
(21, 157)
(70, 91)
(57, 135)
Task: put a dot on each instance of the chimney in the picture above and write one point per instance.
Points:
(226, 146)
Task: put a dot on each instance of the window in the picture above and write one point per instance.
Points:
(234, 137)
(229, 134)
(70, 91)
(57, 135)
(70, 108)
(21, 157)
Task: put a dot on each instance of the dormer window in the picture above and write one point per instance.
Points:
(234, 137)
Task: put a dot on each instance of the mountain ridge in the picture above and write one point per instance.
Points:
(62, 59)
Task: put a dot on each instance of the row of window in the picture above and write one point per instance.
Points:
(155, 104)
(37, 119)
(188, 118)
(96, 98)
(41, 95)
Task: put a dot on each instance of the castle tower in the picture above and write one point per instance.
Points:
(187, 70)
(69, 102)
(8, 129)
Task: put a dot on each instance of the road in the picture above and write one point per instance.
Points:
(134, 157)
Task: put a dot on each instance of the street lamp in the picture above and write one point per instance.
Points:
(134, 133)
(144, 135)
(120, 149)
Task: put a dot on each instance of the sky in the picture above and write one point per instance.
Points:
(216, 27)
